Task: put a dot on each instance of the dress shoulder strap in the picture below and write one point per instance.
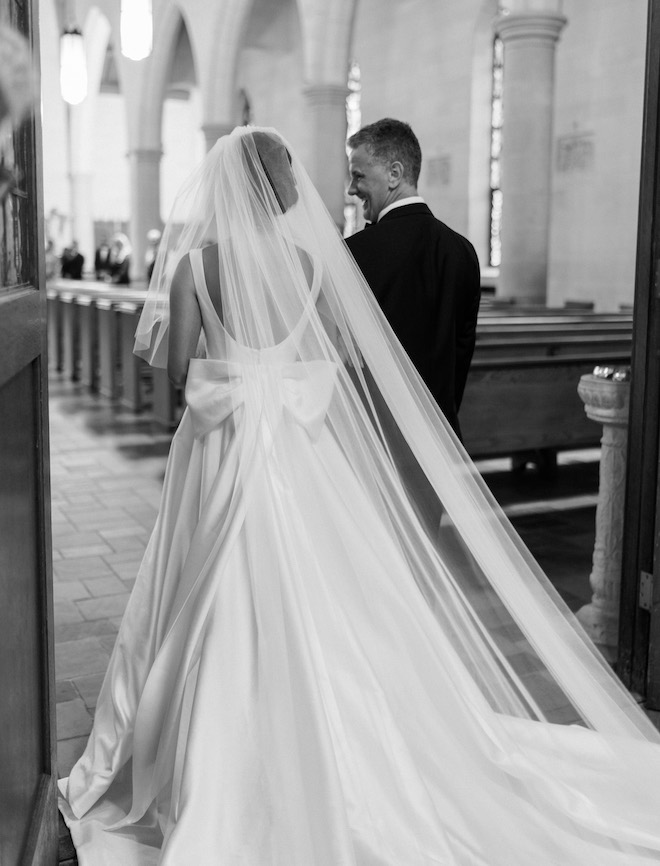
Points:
(201, 287)
(199, 277)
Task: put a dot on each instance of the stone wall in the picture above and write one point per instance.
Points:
(598, 126)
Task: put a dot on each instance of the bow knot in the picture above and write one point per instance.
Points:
(302, 390)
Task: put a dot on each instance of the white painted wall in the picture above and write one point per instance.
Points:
(110, 181)
(416, 64)
(183, 146)
(599, 101)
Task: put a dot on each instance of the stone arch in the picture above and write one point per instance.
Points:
(181, 118)
(81, 131)
(173, 28)
(270, 67)
(98, 38)
(153, 92)
(228, 36)
(327, 29)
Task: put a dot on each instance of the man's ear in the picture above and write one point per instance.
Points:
(396, 174)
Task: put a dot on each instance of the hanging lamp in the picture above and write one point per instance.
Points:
(73, 66)
(136, 28)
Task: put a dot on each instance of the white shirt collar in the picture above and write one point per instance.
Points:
(411, 199)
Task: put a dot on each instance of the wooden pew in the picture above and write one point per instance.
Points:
(91, 328)
(54, 329)
(521, 396)
(70, 352)
(128, 314)
(88, 321)
(165, 400)
(108, 348)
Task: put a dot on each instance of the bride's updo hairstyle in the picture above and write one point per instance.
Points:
(275, 161)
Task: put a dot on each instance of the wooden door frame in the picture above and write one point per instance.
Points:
(22, 348)
(639, 648)
(42, 842)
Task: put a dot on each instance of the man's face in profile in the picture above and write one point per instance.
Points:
(369, 182)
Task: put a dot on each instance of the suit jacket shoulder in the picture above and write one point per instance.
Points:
(404, 238)
(426, 278)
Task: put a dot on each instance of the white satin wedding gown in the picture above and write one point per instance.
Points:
(280, 693)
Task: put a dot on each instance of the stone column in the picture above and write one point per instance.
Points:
(530, 38)
(79, 178)
(326, 104)
(606, 402)
(214, 131)
(145, 204)
(82, 220)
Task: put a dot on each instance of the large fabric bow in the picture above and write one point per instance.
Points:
(216, 389)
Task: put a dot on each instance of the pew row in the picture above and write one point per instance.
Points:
(90, 339)
(521, 396)
(529, 408)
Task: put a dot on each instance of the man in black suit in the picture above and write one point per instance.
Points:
(425, 276)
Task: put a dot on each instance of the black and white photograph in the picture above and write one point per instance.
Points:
(330, 432)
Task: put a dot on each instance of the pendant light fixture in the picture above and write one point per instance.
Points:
(136, 27)
(73, 66)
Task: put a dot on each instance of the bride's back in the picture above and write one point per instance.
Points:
(265, 300)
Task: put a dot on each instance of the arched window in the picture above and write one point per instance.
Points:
(353, 123)
(496, 117)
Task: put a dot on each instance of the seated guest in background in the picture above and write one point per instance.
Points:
(102, 261)
(51, 260)
(120, 259)
(72, 262)
(153, 242)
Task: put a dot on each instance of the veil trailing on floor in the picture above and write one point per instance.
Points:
(525, 671)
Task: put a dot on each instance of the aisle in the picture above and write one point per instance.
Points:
(106, 474)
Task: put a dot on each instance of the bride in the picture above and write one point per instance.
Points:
(325, 662)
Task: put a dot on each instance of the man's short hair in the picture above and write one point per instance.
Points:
(388, 141)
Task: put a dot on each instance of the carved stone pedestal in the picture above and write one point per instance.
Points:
(606, 402)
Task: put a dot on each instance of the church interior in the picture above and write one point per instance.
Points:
(537, 121)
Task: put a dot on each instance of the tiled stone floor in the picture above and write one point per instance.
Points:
(106, 472)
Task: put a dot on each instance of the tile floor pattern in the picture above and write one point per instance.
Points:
(107, 467)
(106, 474)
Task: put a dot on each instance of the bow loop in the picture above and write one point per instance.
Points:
(216, 389)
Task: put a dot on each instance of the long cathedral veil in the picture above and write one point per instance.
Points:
(519, 658)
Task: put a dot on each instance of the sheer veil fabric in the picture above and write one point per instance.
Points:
(338, 652)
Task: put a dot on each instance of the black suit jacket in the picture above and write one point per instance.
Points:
(426, 278)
